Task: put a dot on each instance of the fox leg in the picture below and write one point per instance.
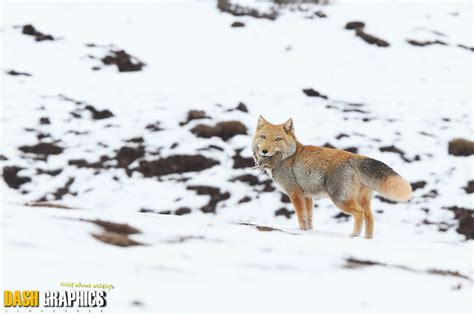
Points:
(364, 202)
(309, 211)
(354, 209)
(298, 201)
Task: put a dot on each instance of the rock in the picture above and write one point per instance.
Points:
(154, 127)
(61, 191)
(466, 221)
(358, 27)
(354, 25)
(242, 162)
(242, 107)
(461, 147)
(44, 121)
(121, 228)
(193, 115)
(11, 177)
(215, 196)
(17, 73)
(42, 148)
(237, 24)
(127, 155)
(175, 164)
(182, 210)
(245, 199)
(99, 114)
(116, 239)
(284, 212)
(224, 130)
(418, 185)
(469, 187)
(425, 43)
(30, 30)
(320, 14)
(313, 93)
(123, 61)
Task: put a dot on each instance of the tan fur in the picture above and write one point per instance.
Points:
(306, 171)
(396, 188)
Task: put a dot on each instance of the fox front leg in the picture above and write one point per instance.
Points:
(299, 202)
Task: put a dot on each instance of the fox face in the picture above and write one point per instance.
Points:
(276, 141)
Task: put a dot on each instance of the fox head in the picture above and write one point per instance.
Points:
(274, 140)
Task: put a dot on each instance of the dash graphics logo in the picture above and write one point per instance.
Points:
(68, 298)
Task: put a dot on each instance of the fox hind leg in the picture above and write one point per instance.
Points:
(353, 208)
(364, 202)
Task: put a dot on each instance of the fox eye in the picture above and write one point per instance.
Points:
(278, 139)
(263, 137)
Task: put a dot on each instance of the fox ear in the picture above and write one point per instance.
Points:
(289, 126)
(261, 122)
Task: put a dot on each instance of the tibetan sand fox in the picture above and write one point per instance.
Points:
(306, 171)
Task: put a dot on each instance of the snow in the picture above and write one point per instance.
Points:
(195, 60)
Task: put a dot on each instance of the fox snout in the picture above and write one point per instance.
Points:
(265, 150)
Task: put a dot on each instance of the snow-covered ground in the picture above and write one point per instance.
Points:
(414, 98)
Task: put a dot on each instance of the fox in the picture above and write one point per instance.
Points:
(306, 171)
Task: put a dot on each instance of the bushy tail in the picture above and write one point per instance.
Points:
(383, 179)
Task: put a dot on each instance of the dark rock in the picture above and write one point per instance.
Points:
(42, 148)
(154, 127)
(285, 199)
(193, 115)
(320, 14)
(470, 187)
(123, 61)
(81, 163)
(237, 24)
(10, 176)
(284, 212)
(136, 140)
(175, 164)
(127, 155)
(245, 199)
(313, 93)
(425, 43)
(242, 162)
(99, 114)
(182, 210)
(418, 185)
(328, 145)
(224, 130)
(40, 171)
(351, 149)
(342, 135)
(249, 179)
(61, 191)
(239, 10)
(215, 196)
(358, 27)
(385, 200)
(466, 221)
(431, 194)
(242, 107)
(341, 216)
(44, 121)
(466, 47)
(17, 73)
(461, 147)
(3, 158)
(30, 30)
(354, 25)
